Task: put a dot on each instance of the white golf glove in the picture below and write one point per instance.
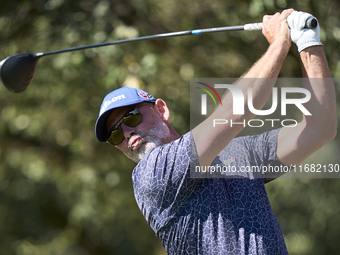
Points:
(303, 37)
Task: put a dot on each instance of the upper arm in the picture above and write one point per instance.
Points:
(296, 144)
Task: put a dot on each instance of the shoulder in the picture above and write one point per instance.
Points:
(252, 146)
(173, 149)
(265, 138)
(167, 154)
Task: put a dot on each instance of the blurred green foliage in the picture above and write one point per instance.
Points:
(61, 191)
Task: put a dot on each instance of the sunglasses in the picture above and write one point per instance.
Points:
(131, 119)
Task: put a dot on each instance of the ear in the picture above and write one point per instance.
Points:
(162, 109)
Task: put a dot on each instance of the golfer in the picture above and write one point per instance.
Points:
(221, 215)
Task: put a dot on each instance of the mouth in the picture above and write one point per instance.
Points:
(135, 141)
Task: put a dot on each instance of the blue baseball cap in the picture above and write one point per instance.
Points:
(118, 98)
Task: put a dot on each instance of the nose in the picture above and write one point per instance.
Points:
(127, 131)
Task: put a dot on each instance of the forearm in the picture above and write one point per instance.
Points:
(314, 63)
(319, 82)
(269, 65)
(261, 78)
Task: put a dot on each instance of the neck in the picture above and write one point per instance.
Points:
(173, 135)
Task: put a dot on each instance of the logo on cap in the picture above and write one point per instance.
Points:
(108, 102)
(143, 94)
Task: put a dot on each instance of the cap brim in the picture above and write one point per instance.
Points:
(101, 129)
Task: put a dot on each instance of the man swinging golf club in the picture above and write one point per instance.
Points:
(221, 215)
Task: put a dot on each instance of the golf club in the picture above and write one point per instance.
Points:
(17, 71)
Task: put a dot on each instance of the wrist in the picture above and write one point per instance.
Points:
(281, 46)
(317, 49)
(308, 45)
(314, 62)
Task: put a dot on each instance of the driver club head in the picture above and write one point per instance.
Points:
(17, 71)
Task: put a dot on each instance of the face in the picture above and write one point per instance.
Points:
(151, 132)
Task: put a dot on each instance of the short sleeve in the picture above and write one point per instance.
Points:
(263, 148)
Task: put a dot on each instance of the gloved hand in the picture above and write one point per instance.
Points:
(303, 37)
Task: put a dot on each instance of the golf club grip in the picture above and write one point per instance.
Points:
(310, 23)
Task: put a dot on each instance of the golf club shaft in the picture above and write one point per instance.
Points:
(148, 37)
(311, 23)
